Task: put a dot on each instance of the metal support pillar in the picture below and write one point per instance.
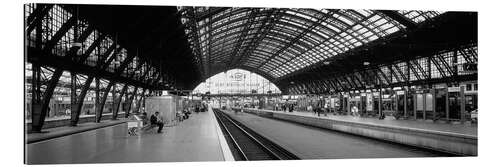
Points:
(415, 106)
(36, 101)
(81, 98)
(113, 98)
(348, 104)
(380, 102)
(433, 93)
(139, 102)
(424, 108)
(98, 114)
(118, 100)
(102, 102)
(130, 99)
(405, 103)
(447, 103)
(462, 105)
(74, 99)
(38, 118)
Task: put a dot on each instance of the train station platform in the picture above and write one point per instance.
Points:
(198, 138)
(453, 138)
(465, 129)
(313, 143)
(56, 132)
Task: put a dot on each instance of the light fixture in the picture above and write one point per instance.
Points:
(366, 63)
(326, 62)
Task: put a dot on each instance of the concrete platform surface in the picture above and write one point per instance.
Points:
(464, 129)
(454, 139)
(314, 143)
(195, 139)
(69, 130)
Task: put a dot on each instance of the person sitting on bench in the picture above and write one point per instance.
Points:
(156, 120)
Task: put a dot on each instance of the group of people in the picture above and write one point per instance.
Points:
(318, 109)
(183, 115)
(284, 107)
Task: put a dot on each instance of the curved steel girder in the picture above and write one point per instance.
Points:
(297, 38)
(261, 56)
(349, 26)
(296, 19)
(278, 36)
(295, 48)
(310, 40)
(399, 18)
(303, 38)
(280, 22)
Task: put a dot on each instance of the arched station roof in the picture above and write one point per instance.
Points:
(183, 46)
(278, 41)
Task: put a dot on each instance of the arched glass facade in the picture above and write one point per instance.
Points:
(236, 81)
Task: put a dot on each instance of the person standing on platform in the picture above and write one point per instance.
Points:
(317, 107)
(354, 111)
(319, 110)
(156, 120)
(325, 109)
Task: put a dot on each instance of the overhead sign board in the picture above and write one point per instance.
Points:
(453, 89)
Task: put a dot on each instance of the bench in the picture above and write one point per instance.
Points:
(138, 126)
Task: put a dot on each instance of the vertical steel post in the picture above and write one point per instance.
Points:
(74, 99)
(424, 107)
(113, 105)
(118, 100)
(447, 104)
(434, 103)
(462, 105)
(415, 106)
(36, 101)
(380, 101)
(97, 100)
(405, 103)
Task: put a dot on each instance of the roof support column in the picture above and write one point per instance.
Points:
(36, 99)
(117, 102)
(41, 107)
(139, 102)
(76, 110)
(129, 102)
(102, 102)
(77, 100)
(98, 113)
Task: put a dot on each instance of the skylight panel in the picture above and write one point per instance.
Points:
(420, 16)
(346, 20)
(365, 13)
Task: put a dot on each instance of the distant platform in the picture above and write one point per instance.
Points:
(196, 139)
(464, 129)
(313, 143)
(453, 138)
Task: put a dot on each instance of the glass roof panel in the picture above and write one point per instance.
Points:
(286, 40)
(420, 16)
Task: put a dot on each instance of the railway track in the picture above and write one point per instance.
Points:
(247, 145)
